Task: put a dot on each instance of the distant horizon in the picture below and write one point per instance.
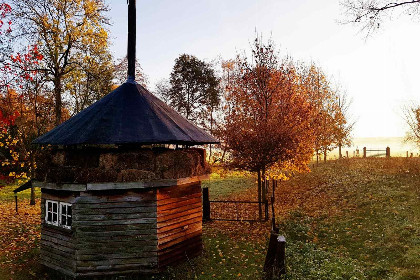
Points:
(397, 145)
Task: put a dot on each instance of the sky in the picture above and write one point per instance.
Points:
(380, 74)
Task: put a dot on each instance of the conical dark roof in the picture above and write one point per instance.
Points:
(130, 114)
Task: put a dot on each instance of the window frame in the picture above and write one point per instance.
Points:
(67, 215)
(56, 223)
(59, 213)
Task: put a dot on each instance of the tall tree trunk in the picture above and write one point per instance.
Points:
(259, 196)
(36, 111)
(58, 101)
(32, 202)
(339, 151)
(211, 130)
(224, 153)
(264, 187)
(325, 155)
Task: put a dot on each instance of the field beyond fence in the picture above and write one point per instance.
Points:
(348, 219)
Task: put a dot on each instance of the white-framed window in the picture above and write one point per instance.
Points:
(65, 215)
(51, 212)
(58, 213)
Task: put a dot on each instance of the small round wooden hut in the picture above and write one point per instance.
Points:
(121, 185)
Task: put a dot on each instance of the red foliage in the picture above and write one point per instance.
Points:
(7, 120)
(5, 10)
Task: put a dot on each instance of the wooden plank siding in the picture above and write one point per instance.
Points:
(116, 232)
(119, 232)
(58, 250)
(179, 223)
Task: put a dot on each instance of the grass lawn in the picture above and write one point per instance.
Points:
(349, 219)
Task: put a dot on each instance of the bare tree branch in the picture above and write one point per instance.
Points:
(369, 14)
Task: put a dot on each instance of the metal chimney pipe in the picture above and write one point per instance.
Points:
(131, 44)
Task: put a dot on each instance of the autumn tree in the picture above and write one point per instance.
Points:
(369, 14)
(329, 118)
(5, 41)
(316, 87)
(26, 98)
(27, 94)
(411, 115)
(193, 90)
(344, 123)
(267, 116)
(66, 32)
(91, 81)
(12, 163)
(120, 72)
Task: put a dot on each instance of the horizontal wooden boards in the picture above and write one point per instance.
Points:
(116, 196)
(120, 231)
(145, 184)
(62, 196)
(57, 249)
(59, 186)
(181, 251)
(179, 223)
(116, 232)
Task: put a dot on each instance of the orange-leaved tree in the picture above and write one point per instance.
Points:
(267, 122)
(12, 163)
(326, 116)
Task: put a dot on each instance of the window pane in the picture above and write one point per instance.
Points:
(63, 220)
(63, 209)
(54, 217)
(49, 206)
(49, 217)
(55, 207)
(69, 210)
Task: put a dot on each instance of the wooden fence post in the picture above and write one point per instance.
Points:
(206, 205)
(347, 154)
(275, 260)
(364, 152)
(388, 152)
(273, 214)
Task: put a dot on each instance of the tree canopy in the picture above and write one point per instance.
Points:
(193, 88)
(70, 35)
(411, 115)
(266, 117)
(120, 72)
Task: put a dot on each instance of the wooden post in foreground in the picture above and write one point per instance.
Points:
(388, 152)
(275, 261)
(206, 205)
(364, 152)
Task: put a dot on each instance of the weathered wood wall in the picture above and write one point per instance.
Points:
(57, 244)
(116, 232)
(179, 223)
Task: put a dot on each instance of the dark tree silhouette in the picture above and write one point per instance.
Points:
(120, 72)
(193, 89)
